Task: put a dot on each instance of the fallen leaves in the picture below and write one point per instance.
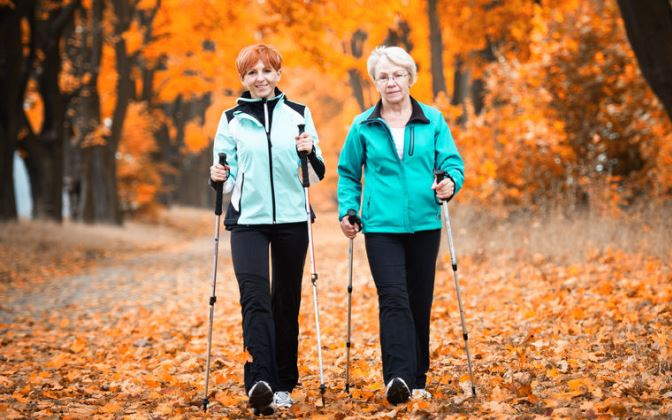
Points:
(578, 340)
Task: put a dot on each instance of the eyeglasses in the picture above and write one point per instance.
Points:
(385, 78)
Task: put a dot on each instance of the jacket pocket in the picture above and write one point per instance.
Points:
(366, 206)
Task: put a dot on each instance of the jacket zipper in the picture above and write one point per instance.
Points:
(410, 153)
(270, 156)
(390, 136)
(412, 147)
(240, 202)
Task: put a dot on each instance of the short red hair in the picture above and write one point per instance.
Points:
(250, 55)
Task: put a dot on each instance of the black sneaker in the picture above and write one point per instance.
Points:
(397, 391)
(261, 398)
(264, 411)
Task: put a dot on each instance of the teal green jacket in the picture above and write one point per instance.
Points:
(398, 195)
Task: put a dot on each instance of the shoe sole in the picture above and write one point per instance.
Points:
(264, 411)
(398, 393)
(261, 398)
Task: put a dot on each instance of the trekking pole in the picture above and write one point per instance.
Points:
(353, 219)
(440, 175)
(218, 212)
(313, 273)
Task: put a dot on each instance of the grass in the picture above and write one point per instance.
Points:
(563, 236)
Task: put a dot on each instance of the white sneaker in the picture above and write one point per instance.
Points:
(282, 399)
(421, 394)
(397, 391)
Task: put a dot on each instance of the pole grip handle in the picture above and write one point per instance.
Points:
(219, 186)
(354, 219)
(304, 160)
(440, 176)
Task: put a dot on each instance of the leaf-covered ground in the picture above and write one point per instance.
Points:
(101, 322)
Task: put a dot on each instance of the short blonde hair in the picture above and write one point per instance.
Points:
(249, 56)
(395, 55)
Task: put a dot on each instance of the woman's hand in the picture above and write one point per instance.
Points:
(304, 143)
(444, 189)
(349, 230)
(219, 173)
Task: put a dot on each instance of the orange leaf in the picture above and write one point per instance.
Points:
(111, 407)
(580, 384)
(78, 345)
(58, 361)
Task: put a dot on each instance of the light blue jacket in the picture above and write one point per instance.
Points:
(258, 138)
(398, 195)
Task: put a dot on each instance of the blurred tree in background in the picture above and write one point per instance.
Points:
(116, 102)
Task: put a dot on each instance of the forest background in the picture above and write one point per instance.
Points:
(116, 102)
(561, 109)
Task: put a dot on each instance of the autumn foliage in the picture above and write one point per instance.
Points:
(572, 118)
(548, 105)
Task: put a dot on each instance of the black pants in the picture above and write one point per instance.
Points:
(403, 268)
(270, 309)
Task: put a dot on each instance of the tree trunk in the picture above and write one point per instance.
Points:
(193, 189)
(356, 82)
(400, 36)
(461, 89)
(183, 180)
(436, 48)
(45, 151)
(11, 61)
(87, 116)
(169, 150)
(146, 18)
(357, 88)
(478, 85)
(649, 28)
(105, 191)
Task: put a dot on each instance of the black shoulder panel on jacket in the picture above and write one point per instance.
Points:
(300, 108)
(229, 113)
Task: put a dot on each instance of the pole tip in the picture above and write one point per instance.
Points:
(205, 404)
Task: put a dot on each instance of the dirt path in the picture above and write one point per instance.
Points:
(148, 280)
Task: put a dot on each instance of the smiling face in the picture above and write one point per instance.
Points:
(261, 80)
(392, 81)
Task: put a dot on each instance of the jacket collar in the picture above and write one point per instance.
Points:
(417, 115)
(246, 97)
(255, 107)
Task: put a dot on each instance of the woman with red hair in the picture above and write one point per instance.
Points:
(262, 142)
